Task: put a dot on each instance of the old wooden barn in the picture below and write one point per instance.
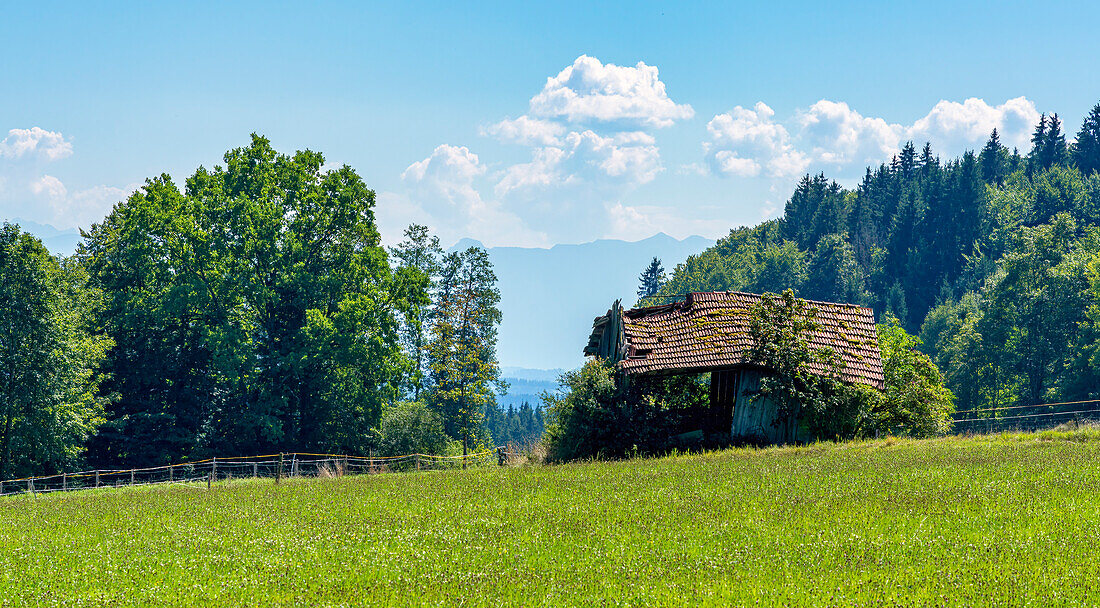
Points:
(709, 332)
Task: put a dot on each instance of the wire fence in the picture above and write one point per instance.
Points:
(301, 464)
(1026, 417)
(275, 466)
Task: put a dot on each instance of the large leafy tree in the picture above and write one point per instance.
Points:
(253, 310)
(48, 356)
(420, 257)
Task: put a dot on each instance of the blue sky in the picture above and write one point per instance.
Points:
(521, 123)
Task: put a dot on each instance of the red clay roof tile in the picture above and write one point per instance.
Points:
(710, 330)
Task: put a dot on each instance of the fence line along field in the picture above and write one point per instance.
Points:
(1009, 519)
(275, 466)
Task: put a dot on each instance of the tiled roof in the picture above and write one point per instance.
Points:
(710, 330)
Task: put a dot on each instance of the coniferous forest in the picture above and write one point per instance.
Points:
(993, 259)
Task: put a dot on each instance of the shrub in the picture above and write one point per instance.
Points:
(916, 399)
(596, 414)
(411, 428)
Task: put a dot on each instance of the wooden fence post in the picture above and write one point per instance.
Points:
(294, 465)
(30, 484)
(97, 479)
(171, 472)
(210, 479)
(418, 462)
(255, 469)
(214, 468)
(131, 477)
(279, 469)
(64, 482)
(1, 487)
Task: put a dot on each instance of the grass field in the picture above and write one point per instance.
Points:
(1006, 520)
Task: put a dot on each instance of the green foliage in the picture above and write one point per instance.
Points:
(594, 415)
(252, 311)
(834, 272)
(411, 427)
(48, 357)
(419, 257)
(803, 382)
(887, 523)
(462, 351)
(916, 402)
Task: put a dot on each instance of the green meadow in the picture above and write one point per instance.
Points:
(1003, 520)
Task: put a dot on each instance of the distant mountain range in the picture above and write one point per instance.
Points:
(550, 296)
(58, 241)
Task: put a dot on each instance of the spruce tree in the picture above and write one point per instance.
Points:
(651, 279)
(907, 161)
(1038, 146)
(926, 158)
(1086, 154)
(994, 160)
(1056, 151)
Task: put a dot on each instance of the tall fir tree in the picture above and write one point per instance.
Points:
(994, 159)
(927, 160)
(1038, 147)
(1056, 150)
(907, 160)
(1086, 153)
(651, 279)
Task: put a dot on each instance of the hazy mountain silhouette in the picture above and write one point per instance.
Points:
(58, 241)
(550, 296)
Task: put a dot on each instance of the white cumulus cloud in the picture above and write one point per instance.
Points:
(527, 131)
(953, 127)
(743, 142)
(49, 187)
(35, 142)
(590, 90)
(836, 134)
(831, 136)
(444, 195)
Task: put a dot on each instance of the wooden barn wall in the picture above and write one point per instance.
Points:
(730, 391)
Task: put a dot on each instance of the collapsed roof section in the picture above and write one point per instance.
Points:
(709, 331)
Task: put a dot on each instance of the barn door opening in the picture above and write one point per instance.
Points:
(724, 385)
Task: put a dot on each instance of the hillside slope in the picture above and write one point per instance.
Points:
(951, 521)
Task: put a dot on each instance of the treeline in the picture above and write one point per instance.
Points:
(994, 258)
(251, 310)
(521, 425)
